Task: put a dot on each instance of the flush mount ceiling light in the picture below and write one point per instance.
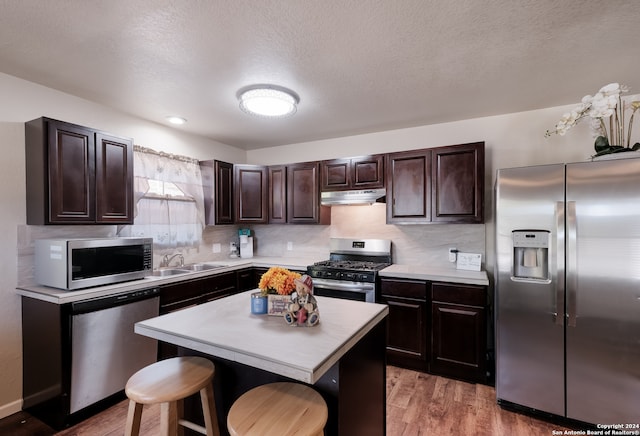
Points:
(176, 120)
(268, 101)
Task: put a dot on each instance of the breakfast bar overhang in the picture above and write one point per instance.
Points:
(343, 357)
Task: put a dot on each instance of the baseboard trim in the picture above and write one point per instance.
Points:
(10, 408)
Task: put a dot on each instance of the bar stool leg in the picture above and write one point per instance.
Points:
(209, 410)
(134, 417)
(169, 418)
(180, 415)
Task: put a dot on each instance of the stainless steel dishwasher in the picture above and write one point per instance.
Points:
(105, 351)
(78, 356)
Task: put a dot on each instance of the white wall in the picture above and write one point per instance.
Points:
(12, 212)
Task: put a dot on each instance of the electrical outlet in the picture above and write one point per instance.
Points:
(216, 248)
(452, 254)
(289, 245)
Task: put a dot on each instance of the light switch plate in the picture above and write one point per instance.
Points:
(469, 261)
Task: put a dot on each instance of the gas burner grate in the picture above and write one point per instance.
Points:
(352, 265)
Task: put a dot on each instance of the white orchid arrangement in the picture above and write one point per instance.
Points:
(605, 104)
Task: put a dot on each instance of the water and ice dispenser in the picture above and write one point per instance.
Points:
(531, 255)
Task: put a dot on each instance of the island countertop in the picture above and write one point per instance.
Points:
(225, 328)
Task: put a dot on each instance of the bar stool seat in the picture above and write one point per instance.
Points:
(169, 382)
(278, 409)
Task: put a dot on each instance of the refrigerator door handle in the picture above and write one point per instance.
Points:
(558, 315)
(572, 264)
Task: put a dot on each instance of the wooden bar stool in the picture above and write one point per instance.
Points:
(169, 382)
(278, 409)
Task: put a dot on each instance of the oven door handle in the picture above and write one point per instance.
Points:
(343, 285)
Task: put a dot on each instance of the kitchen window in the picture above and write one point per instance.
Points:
(169, 203)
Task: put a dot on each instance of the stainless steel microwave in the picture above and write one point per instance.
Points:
(83, 263)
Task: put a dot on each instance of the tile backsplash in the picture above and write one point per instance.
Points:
(411, 244)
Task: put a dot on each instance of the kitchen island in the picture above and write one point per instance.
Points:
(343, 357)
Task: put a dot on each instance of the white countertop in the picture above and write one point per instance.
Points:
(425, 272)
(417, 272)
(61, 296)
(226, 328)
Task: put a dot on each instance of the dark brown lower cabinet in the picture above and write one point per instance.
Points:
(439, 328)
(459, 331)
(407, 325)
(245, 279)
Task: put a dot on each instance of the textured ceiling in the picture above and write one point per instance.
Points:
(358, 66)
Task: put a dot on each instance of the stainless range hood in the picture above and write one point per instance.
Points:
(365, 196)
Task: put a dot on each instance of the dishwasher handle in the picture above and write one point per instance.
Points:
(109, 301)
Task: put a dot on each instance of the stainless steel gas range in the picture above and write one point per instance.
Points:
(352, 269)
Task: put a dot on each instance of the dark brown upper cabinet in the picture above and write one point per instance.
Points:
(409, 187)
(217, 187)
(457, 190)
(250, 183)
(277, 194)
(436, 185)
(363, 172)
(303, 195)
(254, 194)
(77, 175)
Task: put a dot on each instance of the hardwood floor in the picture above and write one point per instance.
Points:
(417, 404)
(424, 404)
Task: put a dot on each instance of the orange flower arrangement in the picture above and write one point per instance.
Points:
(278, 280)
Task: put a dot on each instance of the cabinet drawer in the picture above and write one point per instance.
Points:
(404, 288)
(245, 279)
(459, 294)
(194, 289)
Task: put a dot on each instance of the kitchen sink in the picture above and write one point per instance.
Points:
(165, 272)
(200, 266)
(184, 269)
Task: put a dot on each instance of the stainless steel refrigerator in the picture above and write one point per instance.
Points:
(568, 289)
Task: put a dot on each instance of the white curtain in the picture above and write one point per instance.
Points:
(172, 221)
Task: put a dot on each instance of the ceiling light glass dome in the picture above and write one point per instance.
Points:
(268, 101)
(176, 120)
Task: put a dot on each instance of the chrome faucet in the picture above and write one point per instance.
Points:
(167, 259)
